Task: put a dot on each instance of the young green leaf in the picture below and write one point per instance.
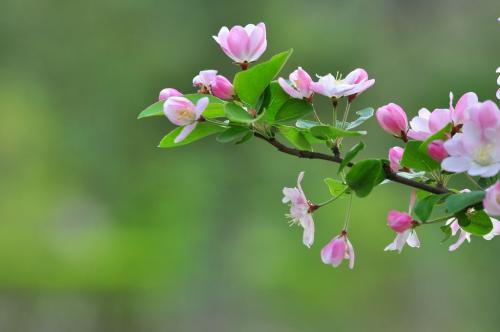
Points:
(203, 129)
(365, 175)
(236, 113)
(275, 98)
(350, 155)
(250, 84)
(296, 137)
(215, 108)
(364, 115)
(335, 187)
(232, 134)
(423, 208)
(416, 160)
(461, 201)
(306, 124)
(325, 132)
(441, 134)
(479, 223)
(293, 109)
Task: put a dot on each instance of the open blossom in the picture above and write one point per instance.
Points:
(402, 223)
(392, 118)
(463, 235)
(167, 93)
(300, 210)
(209, 82)
(338, 249)
(408, 237)
(491, 201)
(436, 150)
(353, 84)
(458, 112)
(243, 44)
(395, 156)
(477, 148)
(182, 112)
(300, 85)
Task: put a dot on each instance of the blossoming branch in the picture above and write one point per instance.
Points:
(463, 137)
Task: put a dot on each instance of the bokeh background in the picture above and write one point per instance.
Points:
(102, 231)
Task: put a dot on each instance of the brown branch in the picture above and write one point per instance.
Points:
(337, 159)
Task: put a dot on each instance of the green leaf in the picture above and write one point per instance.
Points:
(423, 208)
(365, 175)
(350, 155)
(439, 135)
(250, 84)
(236, 113)
(416, 160)
(275, 98)
(325, 132)
(446, 229)
(232, 134)
(245, 138)
(335, 187)
(479, 223)
(461, 201)
(293, 109)
(364, 115)
(215, 107)
(203, 129)
(296, 137)
(306, 124)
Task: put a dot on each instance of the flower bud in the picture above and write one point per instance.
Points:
(167, 93)
(222, 88)
(399, 221)
(300, 85)
(392, 118)
(437, 151)
(395, 156)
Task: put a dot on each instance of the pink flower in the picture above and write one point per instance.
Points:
(457, 112)
(243, 45)
(477, 148)
(395, 156)
(409, 237)
(353, 84)
(427, 123)
(498, 82)
(338, 249)
(437, 151)
(167, 93)
(182, 112)
(463, 235)
(300, 85)
(491, 201)
(209, 82)
(399, 221)
(300, 210)
(392, 118)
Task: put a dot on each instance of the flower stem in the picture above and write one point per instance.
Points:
(348, 213)
(332, 199)
(433, 221)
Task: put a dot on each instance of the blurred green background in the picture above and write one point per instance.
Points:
(102, 231)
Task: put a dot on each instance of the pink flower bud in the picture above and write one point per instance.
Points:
(491, 201)
(399, 221)
(243, 44)
(167, 93)
(222, 88)
(338, 249)
(392, 118)
(395, 156)
(300, 85)
(437, 151)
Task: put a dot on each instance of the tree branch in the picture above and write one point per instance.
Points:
(337, 159)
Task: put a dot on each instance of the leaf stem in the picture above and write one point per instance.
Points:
(334, 198)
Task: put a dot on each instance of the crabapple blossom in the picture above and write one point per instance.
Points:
(399, 221)
(300, 85)
(353, 84)
(491, 201)
(338, 249)
(457, 113)
(395, 156)
(436, 150)
(392, 118)
(464, 235)
(300, 210)
(427, 123)
(243, 44)
(408, 237)
(182, 112)
(209, 82)
(476, 149)
(167, 93)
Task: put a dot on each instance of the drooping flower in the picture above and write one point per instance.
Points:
(209, 82)
(399, 221)
(491, 201)
(436, 150)
(338, 249)
(300, 210)
(353, 84)
(300, 85)
(477, 148)
(408, 237)
(395, 156)
(464, 235)
(182, 112)
(392, 118)
(243, 44)
(167, 93)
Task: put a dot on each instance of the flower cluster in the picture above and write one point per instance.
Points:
(463, 137)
